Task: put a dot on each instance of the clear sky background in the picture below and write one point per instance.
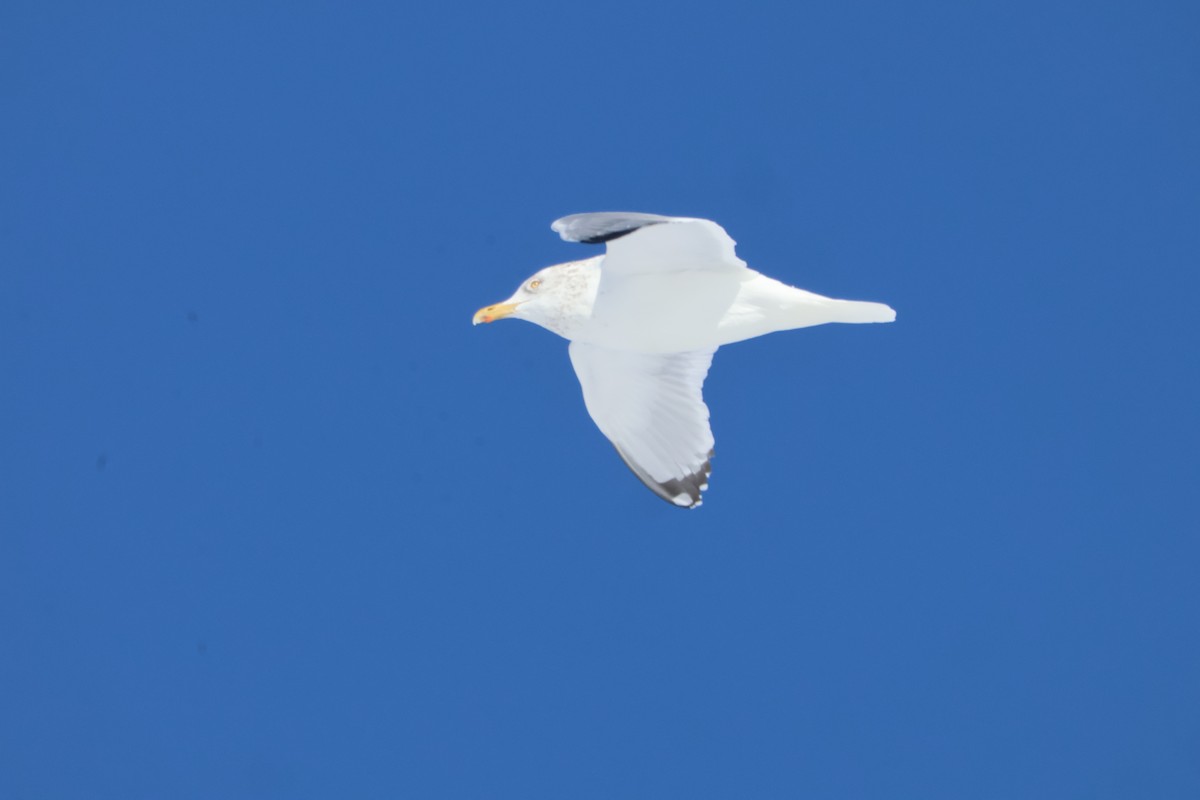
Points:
(277, 522)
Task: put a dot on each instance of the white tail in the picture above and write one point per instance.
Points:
(764, 305)
(860, 311)
(801, 309)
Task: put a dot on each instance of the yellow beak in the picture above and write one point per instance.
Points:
(493, 313)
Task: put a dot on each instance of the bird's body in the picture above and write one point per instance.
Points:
(644, 320)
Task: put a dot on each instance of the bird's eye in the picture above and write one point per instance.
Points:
(534, 284)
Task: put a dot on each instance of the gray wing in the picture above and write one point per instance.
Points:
(651, 408)
(603, 226)
(644, 243)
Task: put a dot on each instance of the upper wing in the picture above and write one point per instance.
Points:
(650, 407)
(652, 243)
(603, 226)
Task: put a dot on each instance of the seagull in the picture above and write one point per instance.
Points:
(644, 320)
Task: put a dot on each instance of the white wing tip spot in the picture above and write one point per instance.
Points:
(684, 500)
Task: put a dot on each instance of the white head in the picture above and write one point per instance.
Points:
(554, 297)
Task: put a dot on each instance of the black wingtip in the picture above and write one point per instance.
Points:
(598, 227)
(682, 492)
(610, 235)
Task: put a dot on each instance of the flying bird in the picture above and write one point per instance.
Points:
(644, 320)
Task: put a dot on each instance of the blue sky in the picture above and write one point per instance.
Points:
(276, 521)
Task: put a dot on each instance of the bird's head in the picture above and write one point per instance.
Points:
(549, 297)
(524, 303)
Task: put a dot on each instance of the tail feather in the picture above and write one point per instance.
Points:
(786, 307)
(860, 311)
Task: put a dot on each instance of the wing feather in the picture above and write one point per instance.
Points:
(603, 226)
(651, 407)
